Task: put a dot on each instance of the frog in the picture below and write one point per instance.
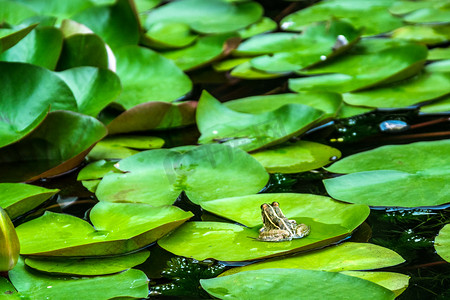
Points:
(277, 227)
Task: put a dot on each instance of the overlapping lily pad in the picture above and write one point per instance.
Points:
(373, 61)
(118, 147)
(296, 157)
(170, 35)
(207, 172)
(428, 34)
(203, 51)
(118, 228)
(42, 47)
(344, 257)
(14, 13)
(208, 16)
(442, 243)
(414, 175)
(10, 37)
(154, 115)
(116, 23)
(92, 174)
(148, 76)
(41, 90)
(329, 220)
(87, 266)
(19, 198)
(283, 283)
(35, 285)
(262, 26)
(425, 86)
(93, 88)
(379, 20)
(217, 123)
(439, 106)
(59, 144)
(330, 103)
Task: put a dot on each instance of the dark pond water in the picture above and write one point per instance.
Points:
(409, 232)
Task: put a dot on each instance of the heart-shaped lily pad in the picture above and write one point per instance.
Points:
(83, 50)
(296, 157)
(36, 285)
(118, 147)
(116, 22)
(170, 35)
(87, 266)
(412, 173)
(330, 103)
(19, 198)
(207, 172)
(92, 174)
(284, 284)
(329, 221)
(206, 16)
(264, 25)
(344, 257)
(10, 37)
(57, 146)
(118, 228)
(154, 115)
(442, 243)
(428, 85)
(93, 88)
(41, 47)
(203, 51)
(365, 66)
(148, 76)
(22, 110)
(217, 123)
(379, 20)
(429, 34)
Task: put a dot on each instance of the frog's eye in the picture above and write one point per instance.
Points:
(275, 203)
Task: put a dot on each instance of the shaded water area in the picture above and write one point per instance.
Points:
(408, 231)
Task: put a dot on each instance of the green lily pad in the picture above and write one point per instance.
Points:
(393, 281)
(406, 179)
(246, 71)
(14, 12)
(19, 198)
(93, 88)
(262, 26)
(428, 34)
(425, 86)
(316, 44)
(7, 290)
(83, 50)
(92, 174)
(154, 115)
(247, 131)
(355, 12)
(439, 53)
(35, 285)
(42, 47)
(296, 157)
(343, 257)
(119, 228)
(203, 51)
(440, 105)
(228, 64)
(148, 76)
(116, 23)
(118, 147)
(207, 172)
(206, 16)
(170, 35)
(365, 66)
(41, 90)
(10, 37)
(144, 5)
(329, 220)
(431, 14)
(442, 243)
(58, 145)
(330, 103)
(87, 266)
(284, 284)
